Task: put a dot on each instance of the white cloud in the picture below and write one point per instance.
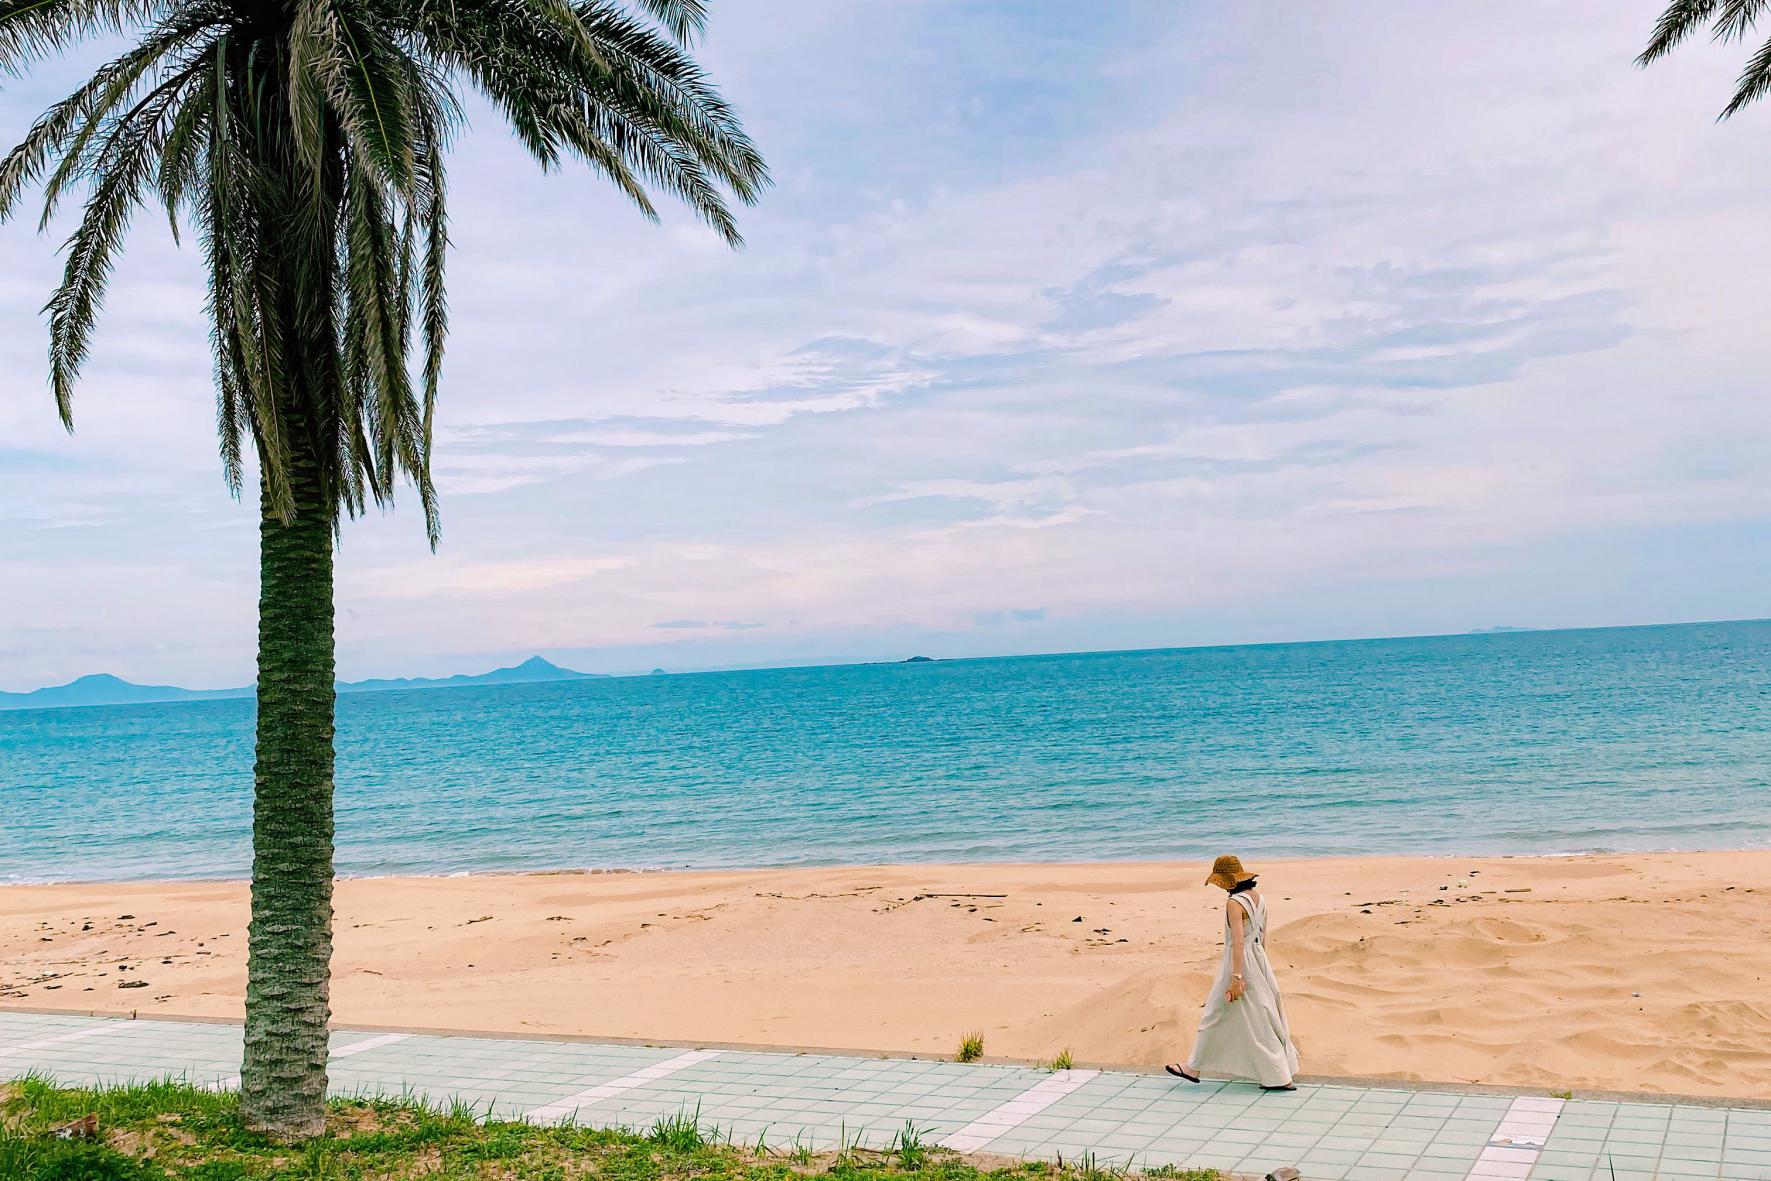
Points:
(446, 576)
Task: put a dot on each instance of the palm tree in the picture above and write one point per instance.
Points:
(1729, 20)
(304, 142)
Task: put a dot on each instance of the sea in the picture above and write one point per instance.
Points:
(1551, 742)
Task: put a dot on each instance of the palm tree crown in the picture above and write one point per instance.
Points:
(304, 141)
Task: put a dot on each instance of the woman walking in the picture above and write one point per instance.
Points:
(1243, 1033)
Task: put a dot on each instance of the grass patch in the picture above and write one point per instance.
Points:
(174, 1132)
(971, 1048)
(909, 1148)
(1063, 1061)
(680, 1132)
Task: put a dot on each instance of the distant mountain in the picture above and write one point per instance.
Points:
(105, 689)
(531, 670)
(1495, 631)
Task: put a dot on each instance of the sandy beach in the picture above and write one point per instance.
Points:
(1640, 972)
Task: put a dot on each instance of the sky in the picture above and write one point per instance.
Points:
(1064, 327)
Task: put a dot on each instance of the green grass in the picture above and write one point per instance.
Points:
(971, 1048)
(681, 1132)
(909, 1148)
(1063, 1061)
(174, 1132)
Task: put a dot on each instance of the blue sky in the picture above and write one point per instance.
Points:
(1065, 326)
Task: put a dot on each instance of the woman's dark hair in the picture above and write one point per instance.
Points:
(1239, 887)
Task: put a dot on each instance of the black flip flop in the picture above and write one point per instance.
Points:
(1286, 1087)
(1179, 1073)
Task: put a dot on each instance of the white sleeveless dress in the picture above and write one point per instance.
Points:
(1246, 1039)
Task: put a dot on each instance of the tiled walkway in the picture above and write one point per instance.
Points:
(821, 1101)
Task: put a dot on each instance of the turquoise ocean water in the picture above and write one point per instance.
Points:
(1626, 739)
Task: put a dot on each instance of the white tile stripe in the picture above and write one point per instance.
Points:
(1016, 1111)
(1512, 1149)
(369, 1043)
(560, 1108)
(229, 1082)
(111, 1026)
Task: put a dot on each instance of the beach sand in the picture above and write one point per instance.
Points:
(1641, 972)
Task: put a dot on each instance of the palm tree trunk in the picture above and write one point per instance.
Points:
(283, 1077)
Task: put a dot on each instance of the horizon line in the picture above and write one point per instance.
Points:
(1497, 631)
(1485, 632)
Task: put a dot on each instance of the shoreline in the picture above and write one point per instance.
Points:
(908, 866)
(1640, 971)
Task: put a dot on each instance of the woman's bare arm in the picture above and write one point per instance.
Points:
(1238, 958)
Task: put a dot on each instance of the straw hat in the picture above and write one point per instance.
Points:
(1227, 872)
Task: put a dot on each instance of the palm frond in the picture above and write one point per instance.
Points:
(69, 127)
(370, 92)
(657, 77)
(125, 166)
(684, 20)
(1679, 21)
(1753, 83)
(310, 43)
(181, 157)
(1736, 18)
(31, 30)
